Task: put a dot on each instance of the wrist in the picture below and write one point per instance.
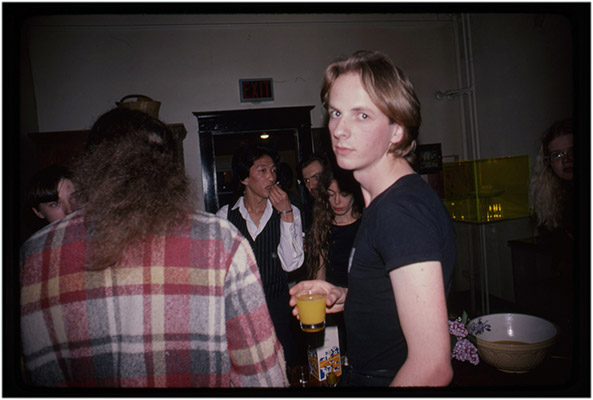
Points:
(285, 212)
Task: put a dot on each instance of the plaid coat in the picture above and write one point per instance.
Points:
(185, 309)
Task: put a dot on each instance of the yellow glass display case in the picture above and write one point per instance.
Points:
(487, 190)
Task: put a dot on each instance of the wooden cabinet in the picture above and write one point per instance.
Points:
(63, 147)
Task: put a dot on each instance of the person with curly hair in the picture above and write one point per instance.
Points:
(551, 202)
(551, 186)
(404, 252)
(137, 288)
(337, 210)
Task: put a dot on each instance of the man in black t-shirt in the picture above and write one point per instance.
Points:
(404, 252)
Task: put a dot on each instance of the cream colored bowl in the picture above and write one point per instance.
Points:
(516, 343)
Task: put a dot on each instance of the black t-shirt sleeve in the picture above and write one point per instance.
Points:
(407, 234)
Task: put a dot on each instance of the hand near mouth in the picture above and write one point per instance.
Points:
(281, 202)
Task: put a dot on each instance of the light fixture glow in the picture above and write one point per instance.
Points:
(264, 136)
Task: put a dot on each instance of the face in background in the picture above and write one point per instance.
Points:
(64, 205)
(262, 177)
(311, 175)
(340, 202)
(361, 134)
(560, 152)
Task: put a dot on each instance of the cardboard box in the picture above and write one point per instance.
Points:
(326, 358)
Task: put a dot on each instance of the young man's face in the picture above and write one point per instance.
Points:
(311, 175)
(56, 210)
(361, 134)
(262, 177)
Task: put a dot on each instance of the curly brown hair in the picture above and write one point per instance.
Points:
(129, 184)
(317, 241)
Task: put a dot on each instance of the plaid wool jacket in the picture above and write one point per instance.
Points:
(185, 309)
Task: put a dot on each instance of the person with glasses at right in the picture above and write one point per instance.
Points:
(551, 202)
(551, 187)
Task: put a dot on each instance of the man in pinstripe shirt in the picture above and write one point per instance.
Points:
(265, 216)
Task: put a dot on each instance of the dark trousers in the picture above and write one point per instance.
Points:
(284, 325)
(378, 378)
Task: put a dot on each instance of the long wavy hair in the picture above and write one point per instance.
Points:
(129, 183)
(323, 215)
(547, 192)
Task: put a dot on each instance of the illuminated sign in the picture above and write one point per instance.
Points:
(256, 89)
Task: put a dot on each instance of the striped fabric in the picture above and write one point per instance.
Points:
(265, 247)
(182, 310)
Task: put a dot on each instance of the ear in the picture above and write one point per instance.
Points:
(397, 133)
(36, 212)
(245, 181)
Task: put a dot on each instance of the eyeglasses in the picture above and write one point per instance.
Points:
(314, 177)
(559, 155)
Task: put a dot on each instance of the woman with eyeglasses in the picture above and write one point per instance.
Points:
(551, 201)
(551, 188)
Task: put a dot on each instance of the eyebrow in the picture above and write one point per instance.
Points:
(264, 164)
(364, 109)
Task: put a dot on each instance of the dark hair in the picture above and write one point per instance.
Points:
(43, 187)
(285, 176)
(130, 183)
(244, 158)
(323, 215)
(123, 122)
(388, 87)
(322, 158)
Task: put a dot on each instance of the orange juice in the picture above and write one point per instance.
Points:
(311, 311)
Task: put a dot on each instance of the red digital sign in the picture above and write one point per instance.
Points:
(256, 89)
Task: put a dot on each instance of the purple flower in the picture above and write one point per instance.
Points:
(477, 328)
(465, 350)
(456, 328)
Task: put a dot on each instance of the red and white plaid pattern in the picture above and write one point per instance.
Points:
(185, 309)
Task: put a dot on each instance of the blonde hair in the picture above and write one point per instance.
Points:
(388, 87)
(547, 197)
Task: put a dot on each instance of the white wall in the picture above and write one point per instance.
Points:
(524, 79)
(82, 65)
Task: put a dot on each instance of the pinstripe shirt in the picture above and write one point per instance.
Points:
(185, 309)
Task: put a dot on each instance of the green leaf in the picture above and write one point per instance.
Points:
(464, 318)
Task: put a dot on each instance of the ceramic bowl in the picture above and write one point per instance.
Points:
(516, 343)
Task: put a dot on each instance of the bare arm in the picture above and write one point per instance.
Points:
(422, 309)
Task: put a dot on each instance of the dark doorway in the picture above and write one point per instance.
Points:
(222, 132)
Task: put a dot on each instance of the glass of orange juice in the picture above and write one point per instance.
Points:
(311, 306)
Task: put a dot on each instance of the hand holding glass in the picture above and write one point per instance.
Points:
(311, 306)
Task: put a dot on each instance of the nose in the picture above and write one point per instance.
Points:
(67, 208)
(339, 127)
